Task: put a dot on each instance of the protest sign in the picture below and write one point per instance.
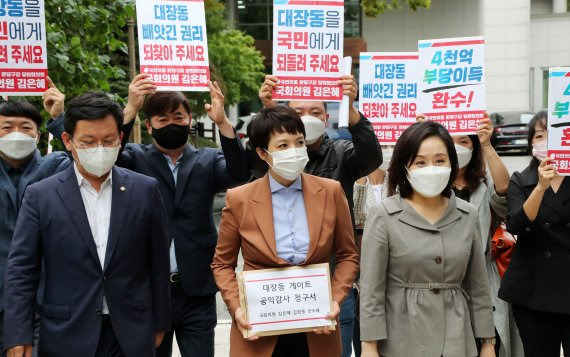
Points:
(23, 52)
(308, 46)
(173, 47)
(286, 300)
(559, 118)
(388, 92)
(452, 82)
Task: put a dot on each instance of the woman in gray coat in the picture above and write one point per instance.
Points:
(424, 286)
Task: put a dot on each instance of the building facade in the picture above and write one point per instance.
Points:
(523, 39)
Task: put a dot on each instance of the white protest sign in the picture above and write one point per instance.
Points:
(23, 51)
(388, 92)
(559, 118)
(308, 46)
(286, 300)
(173, 47)
(452, 82)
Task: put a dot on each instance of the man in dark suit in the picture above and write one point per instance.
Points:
(189, 179)
(21, 164)
(101, 233)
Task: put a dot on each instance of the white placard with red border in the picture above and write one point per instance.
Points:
(173, 46)
(452, 82)
(388, 92)
(559, 118)
(23, 51)
(308, 41)
(286, 300)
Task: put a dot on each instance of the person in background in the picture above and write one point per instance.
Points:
(341, 160)
(287, 218)
(21, 165)
(424, 288)
(537, 281)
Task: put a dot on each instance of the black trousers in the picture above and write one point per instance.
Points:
(542, 333)
(293, 345)
(193, 321)
(108, 344)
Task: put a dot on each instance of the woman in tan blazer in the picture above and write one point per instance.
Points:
(308, 229)
(424, 287)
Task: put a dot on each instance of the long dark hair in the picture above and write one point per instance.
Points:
(541, 118)
(476, 169)
(406, 150)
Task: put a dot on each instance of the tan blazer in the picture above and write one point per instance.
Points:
(247, 224)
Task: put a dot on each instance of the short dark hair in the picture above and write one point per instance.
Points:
(164, 102)
(91, 106)
(23, 109)
(476, 168)
(406, 150)
(541, 118)
(278, 119)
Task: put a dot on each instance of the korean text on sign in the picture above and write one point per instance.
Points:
(308, 49)
(559, 118)
(173, 46)
(388, 92)
(23, 54)
(278, 300)
(451, 88)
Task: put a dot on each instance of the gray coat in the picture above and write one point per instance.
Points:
(424, 287)
(485, 198)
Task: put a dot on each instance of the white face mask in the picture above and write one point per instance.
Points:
(289, 163)
(386, 159)
(540, 150)
(429, 181)
(464, 155)
(98, 161)
(314, 128)
(17, 145)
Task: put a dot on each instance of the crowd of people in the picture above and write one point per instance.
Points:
(110, 248)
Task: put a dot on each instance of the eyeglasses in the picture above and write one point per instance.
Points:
(107, 144)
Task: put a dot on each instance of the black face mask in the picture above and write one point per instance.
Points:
(171, 136)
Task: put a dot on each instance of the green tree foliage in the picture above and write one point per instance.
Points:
(87, 50)
(373, 8)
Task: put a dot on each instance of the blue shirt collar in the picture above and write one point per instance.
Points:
(276, 186)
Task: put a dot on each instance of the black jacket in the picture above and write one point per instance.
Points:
(539, 273)
(342, 160)
(189, 204)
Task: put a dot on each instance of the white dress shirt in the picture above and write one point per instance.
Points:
(98, 209)
(290, 221)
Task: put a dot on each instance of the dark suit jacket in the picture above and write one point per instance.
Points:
(53, 225)
(202, 173)
(36, 170)
(538, 276)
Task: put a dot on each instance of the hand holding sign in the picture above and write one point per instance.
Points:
(241, 321)
(266, 91)
(485, 130)
(335, 311)
(53, 100)
(140, 87)
(546, 172)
